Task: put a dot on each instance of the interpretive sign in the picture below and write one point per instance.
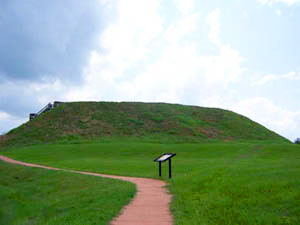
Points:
(162, 158)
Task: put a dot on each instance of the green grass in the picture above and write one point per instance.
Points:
(34, 196)
(144, 121)
(215, 183)
(218, 179)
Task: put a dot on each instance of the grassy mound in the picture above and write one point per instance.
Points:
(143, 121)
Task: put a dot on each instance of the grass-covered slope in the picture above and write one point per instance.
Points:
(43, 197)
(212, 183)
(157, 121)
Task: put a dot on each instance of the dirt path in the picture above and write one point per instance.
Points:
(150, 206)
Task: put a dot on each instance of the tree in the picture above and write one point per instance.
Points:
(297, 141)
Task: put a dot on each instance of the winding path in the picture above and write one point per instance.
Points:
(150, 205)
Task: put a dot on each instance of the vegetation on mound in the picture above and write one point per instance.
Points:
(39, 196)
(145, 121)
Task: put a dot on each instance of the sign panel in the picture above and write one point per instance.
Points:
(164, 157)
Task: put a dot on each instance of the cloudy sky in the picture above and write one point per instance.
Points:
(240, 55)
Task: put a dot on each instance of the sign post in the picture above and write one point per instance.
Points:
(159, 169)
(162, 158)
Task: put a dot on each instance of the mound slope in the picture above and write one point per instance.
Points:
(155, 121)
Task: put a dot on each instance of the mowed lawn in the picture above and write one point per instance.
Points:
(232, 183)
(34, 196)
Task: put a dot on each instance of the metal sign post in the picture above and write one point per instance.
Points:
(170, 168)
(159, 169)
(162, 158)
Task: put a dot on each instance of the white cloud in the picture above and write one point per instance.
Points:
(278, 12)
(165, 79)
(4, 115)
(24, 97)
(47, 90)
(276, 118)
(138, 24)
(129, 71)
(8, 121)
(292, 76)
(127, 44)
(270, 2)
(177, 31)
(223, 68)
(185, 6)
(165, 66)
(213, 20)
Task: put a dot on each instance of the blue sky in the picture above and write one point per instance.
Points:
(241, 55)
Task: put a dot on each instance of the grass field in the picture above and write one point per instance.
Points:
(34, 196)
(233, 183)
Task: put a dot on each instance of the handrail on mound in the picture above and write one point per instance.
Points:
(46, 108)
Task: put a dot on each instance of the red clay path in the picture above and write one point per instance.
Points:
(150, 206)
